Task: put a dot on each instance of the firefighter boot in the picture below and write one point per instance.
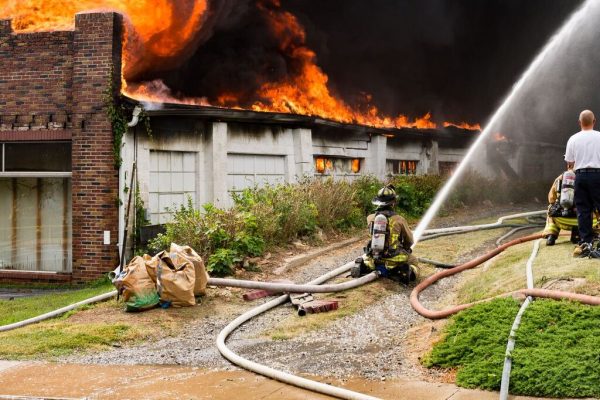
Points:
(359, 268)
(575, 235)
(550, 240)
(406, 274)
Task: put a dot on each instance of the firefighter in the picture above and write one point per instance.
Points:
(559, 217)
(389, 250)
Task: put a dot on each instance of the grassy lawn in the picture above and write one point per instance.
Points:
(506, 272)
(557, 351)
(23, 308)
(59, 337)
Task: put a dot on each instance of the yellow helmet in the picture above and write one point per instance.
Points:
(385, 197)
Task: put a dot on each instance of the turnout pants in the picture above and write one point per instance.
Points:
(587, 200)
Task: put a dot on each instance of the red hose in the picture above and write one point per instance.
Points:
(550, 294)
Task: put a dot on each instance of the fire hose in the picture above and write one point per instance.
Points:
(505, 383)
(549, 294)
(280, 375)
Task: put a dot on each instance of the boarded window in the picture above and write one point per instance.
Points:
(254, 170)
(172, 182)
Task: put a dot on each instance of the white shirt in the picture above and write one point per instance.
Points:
(583, 149)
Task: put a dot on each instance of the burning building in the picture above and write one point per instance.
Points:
(65, 171)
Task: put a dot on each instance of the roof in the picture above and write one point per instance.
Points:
(275, 118)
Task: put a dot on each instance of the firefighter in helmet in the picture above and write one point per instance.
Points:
(389, 250)
(559, 217)
(563, 216)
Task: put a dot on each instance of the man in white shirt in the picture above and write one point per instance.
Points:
(583, 155)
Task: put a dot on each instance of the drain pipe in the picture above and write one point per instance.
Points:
(135, 117)
(504, 385)
(276, 374)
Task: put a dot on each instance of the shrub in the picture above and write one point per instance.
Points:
(336, 204)
(223, 237)
(416, 192)
(366, 187)
(285, 211)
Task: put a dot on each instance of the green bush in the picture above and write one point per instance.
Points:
(285, 212)
(223, 237)
(416, 192)
(366, 187)
(275, 215)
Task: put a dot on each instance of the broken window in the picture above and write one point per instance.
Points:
(337, 166)
(401, 167)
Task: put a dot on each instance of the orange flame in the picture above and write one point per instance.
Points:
(160, 32)
(156, 29)
(463, 125)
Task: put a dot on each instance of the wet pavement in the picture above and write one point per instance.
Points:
(76, 381)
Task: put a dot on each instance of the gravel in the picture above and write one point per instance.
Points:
(370, 343)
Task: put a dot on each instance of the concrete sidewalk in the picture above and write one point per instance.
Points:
(74, 381)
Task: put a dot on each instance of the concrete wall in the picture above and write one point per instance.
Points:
(220, 145)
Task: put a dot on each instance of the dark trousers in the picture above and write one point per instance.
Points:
(587, 199)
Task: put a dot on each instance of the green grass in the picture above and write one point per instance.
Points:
(506, 272)
(557, 351)
(23, 308)
(59, 338)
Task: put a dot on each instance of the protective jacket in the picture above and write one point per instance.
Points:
(398, 242)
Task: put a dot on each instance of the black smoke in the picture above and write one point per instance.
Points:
(455, 58)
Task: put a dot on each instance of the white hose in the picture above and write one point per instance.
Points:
(60, 311)
(504, 385)
(470, 228)
(276, 374)
(276, 287)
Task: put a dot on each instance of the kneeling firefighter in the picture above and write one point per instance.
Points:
(561, 211)
(389, 250)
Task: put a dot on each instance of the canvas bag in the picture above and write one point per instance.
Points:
(194, 258)
(139, 290)
(175, 279)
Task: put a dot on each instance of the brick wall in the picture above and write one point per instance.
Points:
(52, 86)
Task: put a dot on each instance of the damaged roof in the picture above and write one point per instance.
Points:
(273, 118)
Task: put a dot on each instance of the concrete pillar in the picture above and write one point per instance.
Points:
(377, 156)
(434, 167)
(303, 152)
(216, 159)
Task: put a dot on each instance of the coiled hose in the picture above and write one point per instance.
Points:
(280, 375)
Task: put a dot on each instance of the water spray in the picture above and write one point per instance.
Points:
(576, 18)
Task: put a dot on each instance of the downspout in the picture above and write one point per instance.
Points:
(135, 118)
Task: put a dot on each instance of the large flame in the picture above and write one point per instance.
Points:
(160, 32)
